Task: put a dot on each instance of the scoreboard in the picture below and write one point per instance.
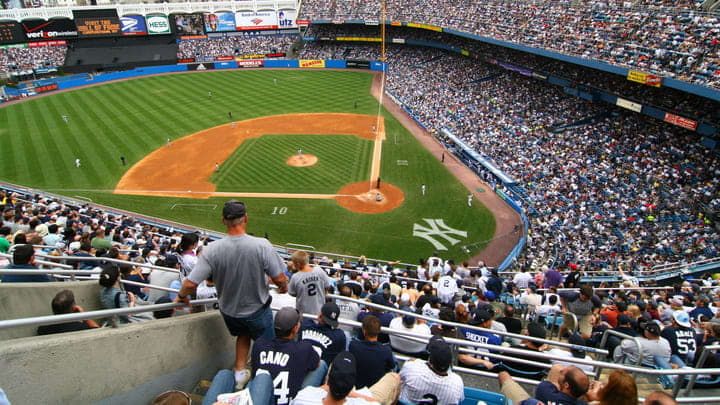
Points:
(11, 32)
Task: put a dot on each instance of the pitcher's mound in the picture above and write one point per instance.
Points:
(301, 161)
(363, 197)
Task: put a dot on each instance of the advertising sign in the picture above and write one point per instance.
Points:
(644, 78)
(425, 27)
(97, 23)
(158, 24)
(186, 60)
(51, 29)
(133, 25)
(219, 22)
(58, 42)
(286, 18)
(223, 58)
(357, 64)
(189, 24)
(621, 102)
(681, 121)
(260, 20)
(11, 32)
(312, 63)
(302, 22)
(201, 66)
(250, 63)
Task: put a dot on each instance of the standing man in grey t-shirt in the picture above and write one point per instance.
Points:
(240, 265)
(308, 284)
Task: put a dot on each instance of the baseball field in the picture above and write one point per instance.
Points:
(303, 149)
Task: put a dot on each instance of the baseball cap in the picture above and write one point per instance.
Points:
(342, 374)
(489, 295)
(440, 354)
(623, 319)
(682, 318)
(171, 260)
(286, 319)
(408, 320)
(330, 313)
(481, 316)
(536, 330)
(653, 328)
(378, 299)
(576, 339)
(234, 209)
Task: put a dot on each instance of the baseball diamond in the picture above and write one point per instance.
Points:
(332, 204)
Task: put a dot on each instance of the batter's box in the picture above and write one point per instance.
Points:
(402, 162)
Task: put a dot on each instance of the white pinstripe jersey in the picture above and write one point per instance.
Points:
(418, 379)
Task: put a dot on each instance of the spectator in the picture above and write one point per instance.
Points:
(651, 345)
(433, 379)
(24, 259)
(512, 324)
(308, 284)
(408, 323)
(564, 386)
(64, 303)
(374, 359)
(619, 390)
(323, 334)
(292, 364)
(583, 304)
(482, 319)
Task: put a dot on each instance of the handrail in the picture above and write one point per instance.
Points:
(103, 313)
(48, 271)
(111, 260)
(693, 378)
(43, 262)
(153, 286)
(603, 342)
(470, 327)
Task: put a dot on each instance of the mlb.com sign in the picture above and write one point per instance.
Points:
(158, 24)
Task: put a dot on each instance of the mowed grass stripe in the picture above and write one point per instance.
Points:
(53, 148)
(131, 141)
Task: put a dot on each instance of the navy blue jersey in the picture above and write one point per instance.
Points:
(682, 341)
(327, 340)
(287, 361)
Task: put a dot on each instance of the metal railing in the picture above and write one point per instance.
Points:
(471, 327)
(108, 259)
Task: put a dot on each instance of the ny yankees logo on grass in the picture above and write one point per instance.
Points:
(434, 229)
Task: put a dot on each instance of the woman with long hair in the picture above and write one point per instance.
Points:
(619, 390)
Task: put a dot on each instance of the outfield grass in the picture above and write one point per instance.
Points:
(133, 118)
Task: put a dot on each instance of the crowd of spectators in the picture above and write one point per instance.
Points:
(675, 101)
(235, 46)
(603, 187)
(679, 42)
(28, 59)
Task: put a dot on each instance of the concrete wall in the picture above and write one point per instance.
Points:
(128, 365)
(23, 300)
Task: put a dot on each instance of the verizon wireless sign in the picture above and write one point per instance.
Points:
(51, 29)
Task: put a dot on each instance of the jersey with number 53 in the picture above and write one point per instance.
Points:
(308, 288)
(287, 362)
(682, 341)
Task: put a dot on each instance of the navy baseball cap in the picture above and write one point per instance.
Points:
(234, 209)
(440, 355)
(330, 313)
(481, 316)
(342, 375)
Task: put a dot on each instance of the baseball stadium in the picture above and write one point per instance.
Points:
(279, 202)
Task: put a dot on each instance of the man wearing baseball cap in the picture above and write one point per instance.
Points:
(324, 335)
(432, 379)
(483, 319)
(339, 387)
(239, 265)
(292, 365)
(651, 345)
(681, 337)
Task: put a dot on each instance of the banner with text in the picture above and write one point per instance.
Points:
(256, 20)
(312, 63)
(158, 24)
(681, 121)
(56, 28)
(644, 78)
(250, 63)
(287, 18)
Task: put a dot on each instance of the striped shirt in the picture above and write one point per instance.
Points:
(418, 380)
